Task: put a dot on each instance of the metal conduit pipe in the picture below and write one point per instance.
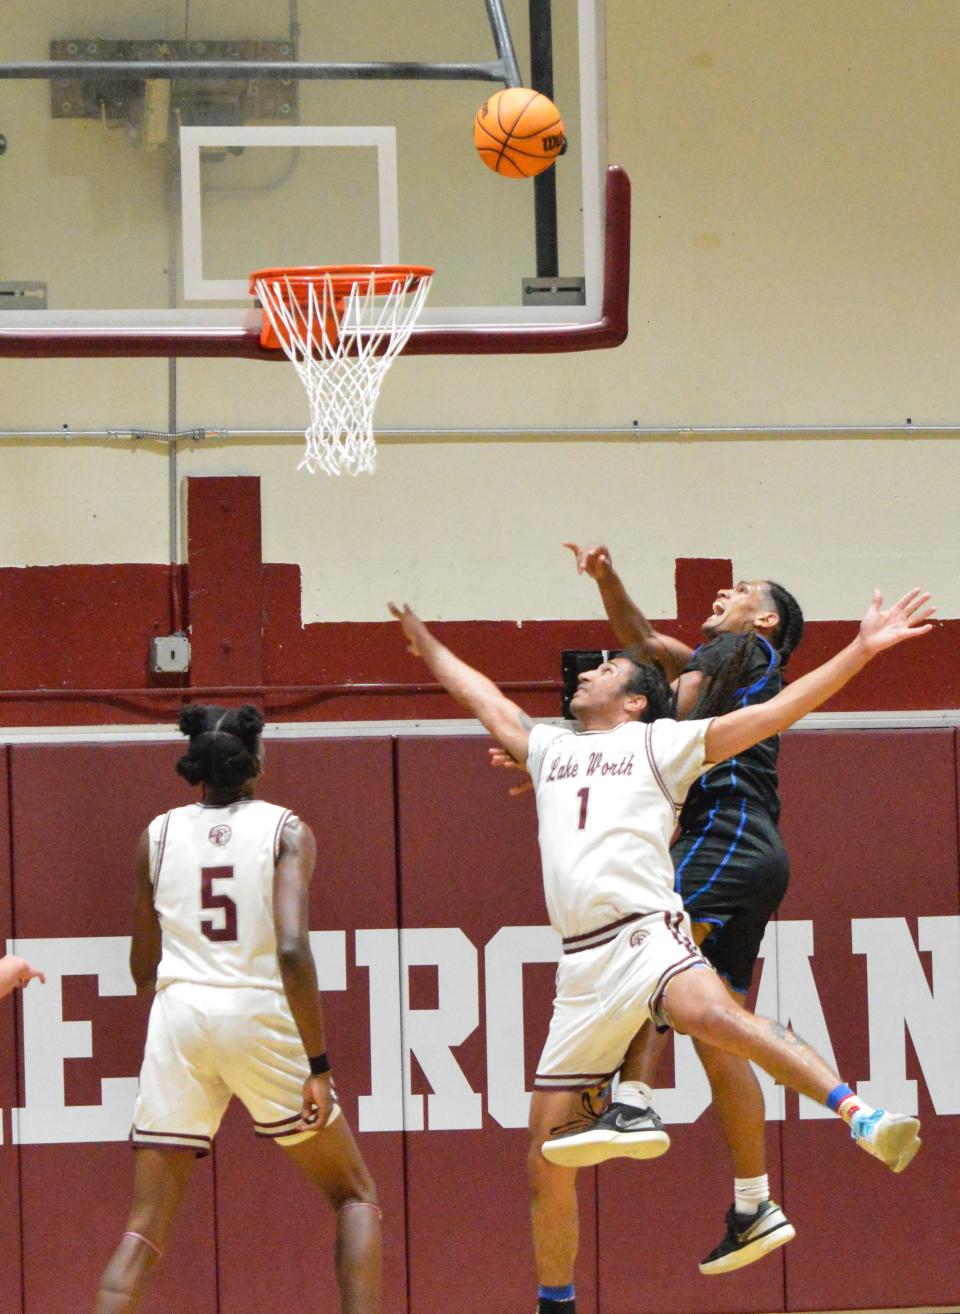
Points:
(141, 69)
(530, 431)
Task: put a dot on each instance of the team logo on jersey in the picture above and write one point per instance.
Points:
(637, 937)
(219, 835)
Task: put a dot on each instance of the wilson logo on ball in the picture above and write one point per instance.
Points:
(518, 133)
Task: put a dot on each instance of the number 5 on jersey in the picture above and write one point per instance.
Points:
(218, 903)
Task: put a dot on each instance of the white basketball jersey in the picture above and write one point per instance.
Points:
(212, 871)
(607, 802)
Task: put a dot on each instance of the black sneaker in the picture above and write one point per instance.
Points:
(749, 1237)
(622, 1131)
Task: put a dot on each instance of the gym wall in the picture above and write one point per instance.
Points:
(795, 193)
(428, 875)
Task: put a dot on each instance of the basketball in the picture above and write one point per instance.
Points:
(518, 133)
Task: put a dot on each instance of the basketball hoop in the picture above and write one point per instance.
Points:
(340, 326)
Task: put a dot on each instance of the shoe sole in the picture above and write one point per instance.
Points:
(908, 1155)
(899, 1145)
(750, 1253)
(584, 1151)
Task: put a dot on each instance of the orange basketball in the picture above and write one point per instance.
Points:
(518, 133)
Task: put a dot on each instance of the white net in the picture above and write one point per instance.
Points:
(342, 337)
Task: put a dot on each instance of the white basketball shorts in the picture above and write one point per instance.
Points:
(609, 982)
(208, 1043)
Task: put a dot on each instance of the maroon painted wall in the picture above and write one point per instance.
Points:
(420, 834)
(74, 640)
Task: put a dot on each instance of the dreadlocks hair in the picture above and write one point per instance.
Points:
(224, 744)
(720, 694)
(647, 677)
(790, 629)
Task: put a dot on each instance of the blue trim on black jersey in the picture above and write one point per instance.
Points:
(703, 835)
(726, 857)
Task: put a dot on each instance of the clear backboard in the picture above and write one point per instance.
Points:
(157, 151)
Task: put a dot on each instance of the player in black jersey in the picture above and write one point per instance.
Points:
(731, 870)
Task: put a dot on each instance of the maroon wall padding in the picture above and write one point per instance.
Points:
(468, 858)
(870, 821)
(275, 1236)
(10, 1269)
(225, 581)
(77, 811)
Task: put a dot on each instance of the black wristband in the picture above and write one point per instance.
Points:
(319, 1064)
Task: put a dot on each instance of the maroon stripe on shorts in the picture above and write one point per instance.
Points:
(280, 1122)
(610, 926)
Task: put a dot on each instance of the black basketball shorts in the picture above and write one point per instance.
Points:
(731, 870)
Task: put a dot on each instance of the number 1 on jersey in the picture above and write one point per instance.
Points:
(583, 795)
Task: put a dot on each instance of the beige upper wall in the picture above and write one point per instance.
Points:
(796, 189)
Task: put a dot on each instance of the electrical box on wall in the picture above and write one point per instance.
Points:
(170, 655)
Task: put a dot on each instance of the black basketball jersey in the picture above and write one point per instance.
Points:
(752, 774)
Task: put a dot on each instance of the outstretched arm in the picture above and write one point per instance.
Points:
(507, 722)
(16, 971)
(879, 630)
(629, 623)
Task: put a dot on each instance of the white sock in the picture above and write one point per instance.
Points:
(749, 1193)
(851, 1106)
(635, 1093)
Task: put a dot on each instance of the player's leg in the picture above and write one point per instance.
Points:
(755, 1225)
(331, 1161)
(738, 1103)
(261, 1057)
(178, 1110)
(554, 1216)
(588, 1036)
(160, 1181)
(695, 1002)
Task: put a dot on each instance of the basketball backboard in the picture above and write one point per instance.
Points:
(152, 159)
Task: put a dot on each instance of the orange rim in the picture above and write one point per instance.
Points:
(342, 277)
(296, 281)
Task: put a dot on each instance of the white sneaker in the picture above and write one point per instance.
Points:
(890, 1137)
(621, 1131)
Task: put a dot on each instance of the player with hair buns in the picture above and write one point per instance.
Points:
(220, 933)
(731, 872)
(607, 799)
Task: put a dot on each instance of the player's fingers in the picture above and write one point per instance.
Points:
(913, 601)
(577, 551)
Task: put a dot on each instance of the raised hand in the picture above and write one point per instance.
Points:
(593, 560)
(906, 619)
(499, 757)
(16, 972)
(413, 627)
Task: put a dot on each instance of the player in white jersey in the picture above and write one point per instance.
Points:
(220, 932)
(607, 799)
